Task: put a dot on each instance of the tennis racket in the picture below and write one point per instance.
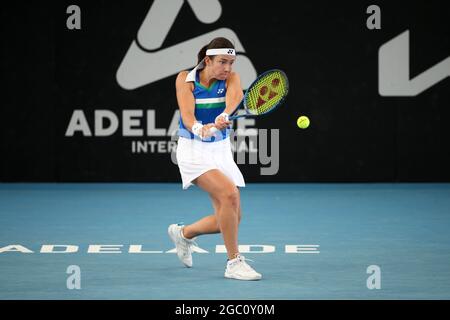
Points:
(264, 95)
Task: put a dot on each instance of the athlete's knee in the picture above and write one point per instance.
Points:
(230, 198)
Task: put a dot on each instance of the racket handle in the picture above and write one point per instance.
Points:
(213, 130)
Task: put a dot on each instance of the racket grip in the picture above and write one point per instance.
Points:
(213, 130)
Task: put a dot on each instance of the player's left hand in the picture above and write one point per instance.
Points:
(222, 122)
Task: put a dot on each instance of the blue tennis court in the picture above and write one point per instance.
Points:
(309, 241)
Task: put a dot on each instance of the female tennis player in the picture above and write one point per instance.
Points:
(206, 96)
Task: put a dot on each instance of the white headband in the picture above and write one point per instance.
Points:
(215, 52)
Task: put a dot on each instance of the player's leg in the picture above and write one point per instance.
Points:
(222, 189)
(206, 225)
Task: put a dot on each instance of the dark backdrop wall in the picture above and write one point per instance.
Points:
(121, 64)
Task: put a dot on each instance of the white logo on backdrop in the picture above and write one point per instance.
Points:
(393, 70)
(145, 62)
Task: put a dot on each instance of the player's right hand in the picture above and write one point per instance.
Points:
(222, 122)
(205, 130)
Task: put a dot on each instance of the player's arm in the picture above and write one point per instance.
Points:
(232, 99)
(234, 93)
(186, 104)
(185, 99)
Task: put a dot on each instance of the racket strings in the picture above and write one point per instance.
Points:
(266, 93)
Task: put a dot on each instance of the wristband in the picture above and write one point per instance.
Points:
(223, 114)
(197, 129)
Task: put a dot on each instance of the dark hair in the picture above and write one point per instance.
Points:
(216, 43)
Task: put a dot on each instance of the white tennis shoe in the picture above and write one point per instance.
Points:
(183, 245)
(239, 269)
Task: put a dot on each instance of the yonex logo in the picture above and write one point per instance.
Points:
(147, 62)
(230, 51)
(220, 91)
(266, 94)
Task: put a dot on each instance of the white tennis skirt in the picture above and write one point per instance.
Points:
(195, 157)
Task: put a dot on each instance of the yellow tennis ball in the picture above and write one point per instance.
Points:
(303, 122)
